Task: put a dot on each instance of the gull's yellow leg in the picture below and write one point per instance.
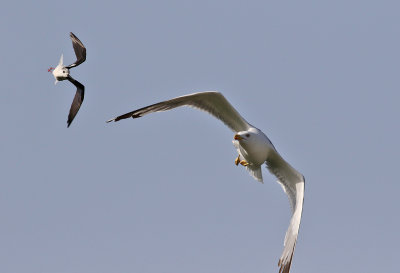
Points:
(244, 163)
(237, 160)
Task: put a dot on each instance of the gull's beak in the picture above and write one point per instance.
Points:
(237, 137)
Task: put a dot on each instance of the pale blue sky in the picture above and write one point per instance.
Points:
(320, 78)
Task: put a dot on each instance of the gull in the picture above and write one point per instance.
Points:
(61, 73)
(254, 149)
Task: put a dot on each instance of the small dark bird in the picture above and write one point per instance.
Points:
(61, 73)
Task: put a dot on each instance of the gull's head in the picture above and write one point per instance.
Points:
(248, 136)
(252, 136)
(241, 136)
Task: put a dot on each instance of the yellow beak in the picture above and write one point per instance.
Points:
(237, 137)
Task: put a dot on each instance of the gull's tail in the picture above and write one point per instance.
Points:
(255, 172)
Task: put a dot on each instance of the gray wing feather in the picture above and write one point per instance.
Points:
(80, 51)
(211, 102)
(78, 99)
(292, 183)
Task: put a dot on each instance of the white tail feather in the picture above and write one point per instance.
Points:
(255, 172)
(61, 60)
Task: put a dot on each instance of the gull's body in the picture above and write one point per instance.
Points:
(61, 73)
(254, 149)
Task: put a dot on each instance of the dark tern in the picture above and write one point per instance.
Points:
(61, 73)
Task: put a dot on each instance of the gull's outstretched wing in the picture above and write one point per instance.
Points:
(292, 183)
(78, 99)
(80, 51)
(211, 102)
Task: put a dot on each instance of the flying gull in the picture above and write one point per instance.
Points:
(61, 73)
(254, 149)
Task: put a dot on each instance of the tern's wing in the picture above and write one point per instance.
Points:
(80, 51)
(292, 183)
(78, 99)
(211, 102)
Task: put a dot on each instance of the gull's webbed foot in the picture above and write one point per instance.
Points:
(237, 160)
(244, 163)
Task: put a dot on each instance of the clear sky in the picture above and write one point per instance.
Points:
(161, 194)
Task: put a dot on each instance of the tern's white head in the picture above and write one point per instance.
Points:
(60, 73)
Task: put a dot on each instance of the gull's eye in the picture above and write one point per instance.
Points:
(247, 135)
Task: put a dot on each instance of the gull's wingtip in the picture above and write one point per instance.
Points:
(113, 119)
(284, 267)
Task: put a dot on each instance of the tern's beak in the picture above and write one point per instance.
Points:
(237, 137)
